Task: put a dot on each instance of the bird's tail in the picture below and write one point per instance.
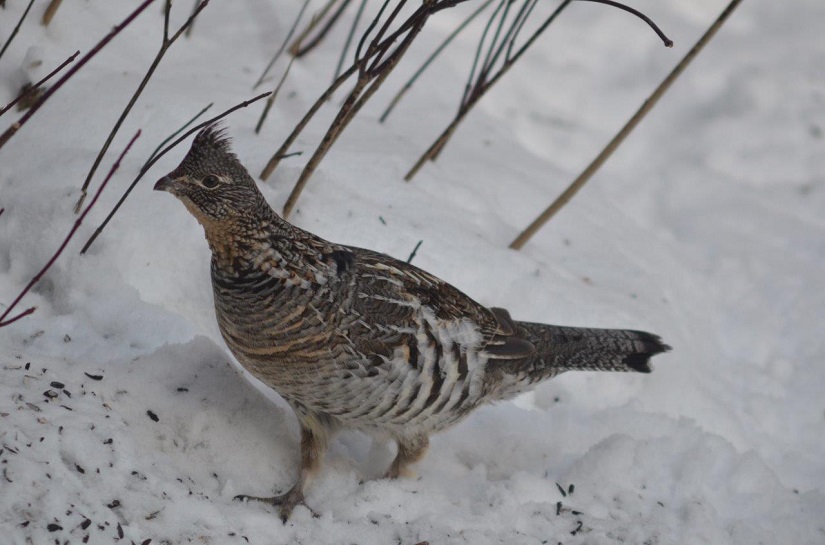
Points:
(560, 349)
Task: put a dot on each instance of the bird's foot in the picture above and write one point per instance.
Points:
(285, 502)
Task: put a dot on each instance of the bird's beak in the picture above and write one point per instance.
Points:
(165, 184)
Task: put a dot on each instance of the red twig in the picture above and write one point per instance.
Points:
(37, 85)
(11, 131)
(3, 321)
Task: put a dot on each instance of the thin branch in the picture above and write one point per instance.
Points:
(348, 42)
(37, 85)
(283, 46)
(316, 19)
(667, 41)
(188, 31)
(72, 231)
(302, 48)
(478, 85)
(415, 251)
(164, 47)
(271, 100)
(469, 86)
(177, 132)
(50, 11)
(11, 131)
(398, 96)
(16, 28)
(272, 164)
(646, 106)
(375, 74)
(145, 168)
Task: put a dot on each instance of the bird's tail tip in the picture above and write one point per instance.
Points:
(651, 345)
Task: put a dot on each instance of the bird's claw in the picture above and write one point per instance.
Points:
(285, 502)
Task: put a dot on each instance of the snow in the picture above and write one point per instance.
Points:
(119, 403)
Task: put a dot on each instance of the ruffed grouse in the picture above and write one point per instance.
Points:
(352, 338)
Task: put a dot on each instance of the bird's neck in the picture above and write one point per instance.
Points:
(239, 245)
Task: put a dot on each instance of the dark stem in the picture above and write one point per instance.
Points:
(317, 17)
(155, 159)
(174, 134)
(468, 87)
(272, 164)
(77, 223)
(37, 85)
(356, 100)
(367, 32)
(415, 251)
(164, 47)
(667, 41)
(398, 96)
(11, 131)
(271, 100)
(306, 47)
(351, 34)
(188, 31)
(16, 28)
(277, 54)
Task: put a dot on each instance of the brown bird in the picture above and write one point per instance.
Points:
(352, 338)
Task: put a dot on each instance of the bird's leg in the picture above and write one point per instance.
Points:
(313, 448)
(410, 450)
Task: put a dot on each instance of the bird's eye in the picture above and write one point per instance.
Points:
(210, 182)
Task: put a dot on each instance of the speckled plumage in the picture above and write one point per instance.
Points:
(352, 338)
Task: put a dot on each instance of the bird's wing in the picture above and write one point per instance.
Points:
(392, 297)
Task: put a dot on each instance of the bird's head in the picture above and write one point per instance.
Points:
(213, 185)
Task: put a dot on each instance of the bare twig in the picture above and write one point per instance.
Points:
(16, 28)
(277, 54)
(36, 86)
(164, 47)
(271, 100)
(372, 71)
(155, 157)
(380, 56)
(177, 132)
(305, 47)
(398, 96)
(273, 161)
(415, 251)
(481, 81)
(11, 131)
(648, 104)
(195, 8)
(347, 43)
(3, 318)
(50, 11)
(316, 19)
(668, 42)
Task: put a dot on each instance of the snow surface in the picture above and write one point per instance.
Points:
(706, 227)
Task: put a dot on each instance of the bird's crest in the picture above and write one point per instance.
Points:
(213, 137)
(211, 152)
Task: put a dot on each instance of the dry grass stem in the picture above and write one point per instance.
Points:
(51, 9)
(646, 106)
